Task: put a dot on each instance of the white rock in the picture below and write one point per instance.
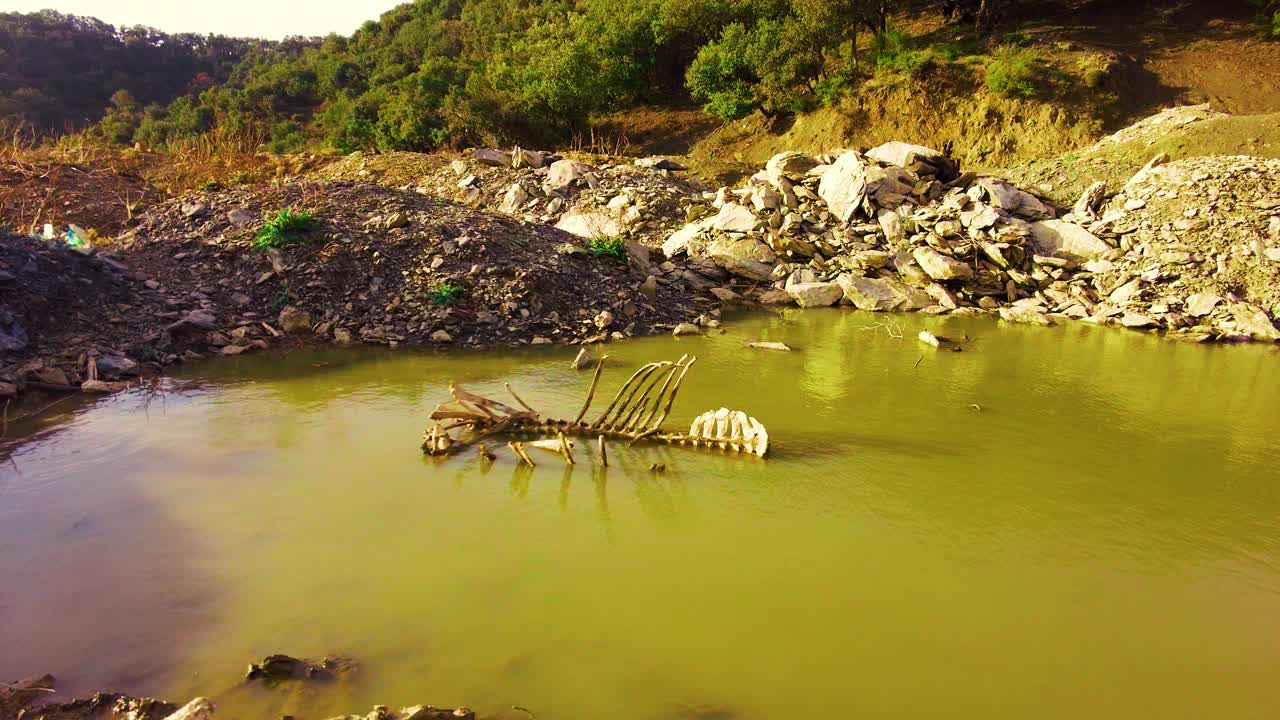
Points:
(902, 154)
(1066, 240)
(790, 165)
(844, 185)
(590, 223)
(514, 200)
(734, 218)
(564, 173)
(198, 709)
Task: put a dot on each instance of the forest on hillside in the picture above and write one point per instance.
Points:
(450, 72)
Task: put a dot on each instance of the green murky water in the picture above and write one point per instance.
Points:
(1098, 537)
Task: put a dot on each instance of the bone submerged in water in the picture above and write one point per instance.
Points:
(636, 414)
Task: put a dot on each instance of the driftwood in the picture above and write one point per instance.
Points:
(636, 414)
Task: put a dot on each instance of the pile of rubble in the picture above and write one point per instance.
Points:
(638, 199)
(899, 227)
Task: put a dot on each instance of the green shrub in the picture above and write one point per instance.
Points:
(444, 293)
(210, 185)
(284, 228)
(614, 247)
(1013, 71)
(830, 89)
(895, 53)
(242, 178)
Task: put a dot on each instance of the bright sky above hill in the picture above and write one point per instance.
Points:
(272, 19)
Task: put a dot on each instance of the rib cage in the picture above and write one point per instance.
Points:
(636, 413)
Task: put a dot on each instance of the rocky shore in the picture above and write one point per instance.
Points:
(1191, 247)
(28, 699)
(499, 248)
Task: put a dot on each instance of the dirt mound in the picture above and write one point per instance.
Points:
(100, 198)
(393, 266)
(59, 307)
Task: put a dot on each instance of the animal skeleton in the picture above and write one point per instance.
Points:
(636, 413)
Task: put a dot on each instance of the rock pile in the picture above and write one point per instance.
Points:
(900, 228)
(636, 199)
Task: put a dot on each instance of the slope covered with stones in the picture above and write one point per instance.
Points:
(1189, 247)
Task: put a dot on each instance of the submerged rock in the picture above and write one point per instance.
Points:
(277, 668)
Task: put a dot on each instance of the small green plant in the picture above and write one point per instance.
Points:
(896, 53)
(832, 88)
(1018, 38)
(605, 246)
(241, 178)
(1013, 71)
(210, 185)
(284, 228)
(281, 299)
(444, 293)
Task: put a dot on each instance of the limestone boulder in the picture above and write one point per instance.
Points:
(816, 294)
(939, 266)
(1062, 239)
(590, 224)
(844, 185)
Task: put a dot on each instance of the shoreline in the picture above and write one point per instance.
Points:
(523, 249)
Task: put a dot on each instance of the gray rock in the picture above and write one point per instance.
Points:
(684, 329)
(241, 217)
(875, 294)
(744, 256)
(114, 366)
(1202, 304)
(816, 294)
(1066, 240)
(939, 266)
(590, 224)
(1027, 311)
(1253, 321)
(493, 158)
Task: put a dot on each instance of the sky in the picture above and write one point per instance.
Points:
(272, 19)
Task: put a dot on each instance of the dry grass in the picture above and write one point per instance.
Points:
(79, 178)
